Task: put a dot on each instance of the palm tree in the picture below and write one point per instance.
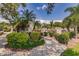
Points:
(23, 22)
(29, 17)
(67, 23)
(74, 17)
(37, 24)
(51, 23)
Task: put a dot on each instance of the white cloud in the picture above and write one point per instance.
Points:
(43, 21)
(38, 8)
(44, 7)
(57, 20)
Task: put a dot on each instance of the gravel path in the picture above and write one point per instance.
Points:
(50, 48)
(3, 40)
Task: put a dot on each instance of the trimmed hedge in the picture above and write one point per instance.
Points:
(17, 40)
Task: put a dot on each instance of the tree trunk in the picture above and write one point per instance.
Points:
(34, 27)
(11, 28)
(76, 31)
(68, 29)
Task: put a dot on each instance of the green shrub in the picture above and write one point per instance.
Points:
(42, 33)
(63, 38)
(45, 33)
(32, 44)
(23, 40)
(6, 29)
(74, 51)
(17, 40)
(35, 35)
(70, 52)
(51, 34)
(72, 34)
(35, 40)
(56, 35)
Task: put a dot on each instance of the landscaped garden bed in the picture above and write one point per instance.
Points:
(24, 40)
(51, 48)
(28, 32)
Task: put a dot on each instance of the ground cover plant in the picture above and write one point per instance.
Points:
(72, 51)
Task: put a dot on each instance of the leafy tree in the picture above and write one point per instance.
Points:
(67, 22)
(50, 7)
(9, 11)
(57, 24)
(74, 17)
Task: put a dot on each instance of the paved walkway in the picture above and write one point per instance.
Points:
(50, 48)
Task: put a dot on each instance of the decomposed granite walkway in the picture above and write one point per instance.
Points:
(50, 48)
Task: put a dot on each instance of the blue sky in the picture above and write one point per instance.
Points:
(57, 14)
